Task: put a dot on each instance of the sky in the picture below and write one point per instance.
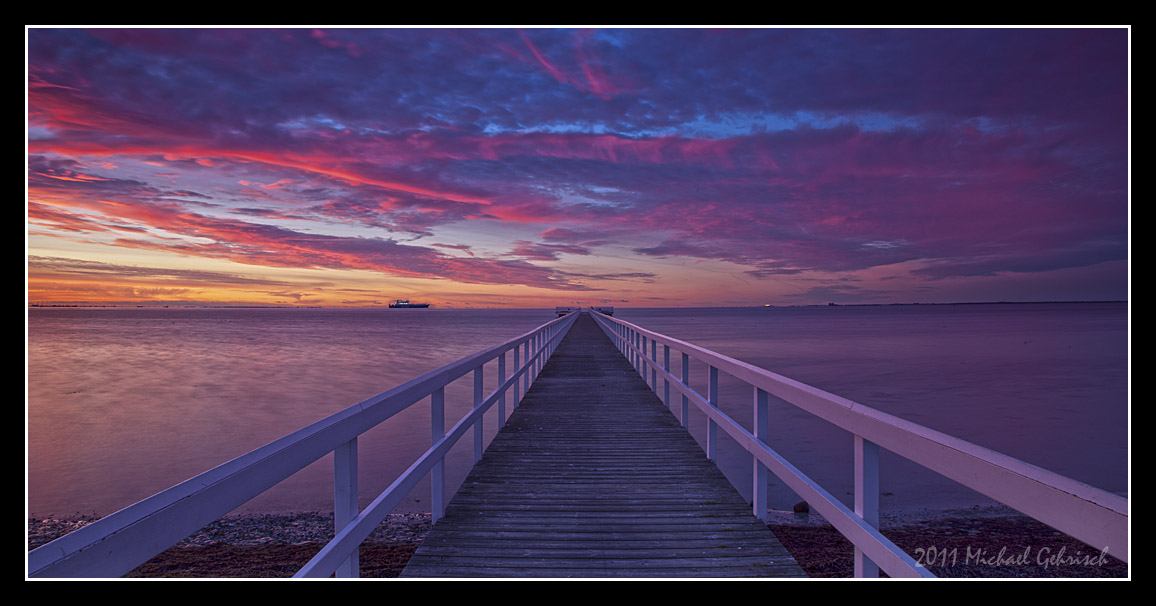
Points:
(638, 167)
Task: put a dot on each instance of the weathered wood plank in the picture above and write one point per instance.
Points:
(593, 477)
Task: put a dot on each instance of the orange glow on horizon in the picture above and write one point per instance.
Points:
(513, 168)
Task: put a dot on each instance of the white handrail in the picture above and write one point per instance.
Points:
(119, 542)
(1094, 516)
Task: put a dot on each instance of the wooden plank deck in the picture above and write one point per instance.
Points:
(593, 477)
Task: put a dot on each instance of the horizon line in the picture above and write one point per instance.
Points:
(433, 307)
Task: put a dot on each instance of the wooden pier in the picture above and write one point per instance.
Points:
(593, 477)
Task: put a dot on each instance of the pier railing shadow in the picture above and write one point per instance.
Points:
(1094, 516)
(119, 542)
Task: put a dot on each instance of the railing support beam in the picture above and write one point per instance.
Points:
(760, 475)
(666, 381)
(345, 499)
(502, 398)
(517, 384)
(866, 498)
(526, 375)
(654, 365)
(438, 472)
(685, 379)
(479, 433)
(711, 425)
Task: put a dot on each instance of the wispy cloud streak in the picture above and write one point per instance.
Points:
(955, 153)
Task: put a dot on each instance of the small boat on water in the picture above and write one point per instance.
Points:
(405, 304)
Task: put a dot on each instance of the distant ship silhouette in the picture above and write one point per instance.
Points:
(405, 304)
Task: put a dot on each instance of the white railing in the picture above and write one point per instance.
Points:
(118, 543)
(1094, 516)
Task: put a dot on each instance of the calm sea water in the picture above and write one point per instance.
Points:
(123, 403)
(1044, 383)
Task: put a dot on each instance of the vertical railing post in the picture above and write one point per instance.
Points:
(651, 352)
(627, 341)
(636, 342)
(760, 475)
(665, 379)
(686, 383)
(479, 434)
(654, 365)
(638, 362)
(537, 349)
(526, 375)
(438, 473)
(345, 500)
(502, 396)
(642, 356)
(539, 355)
(866, 498)
(712, 426)
(630, 339)
(518, 382)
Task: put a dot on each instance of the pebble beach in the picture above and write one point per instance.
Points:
(261, 545)
(965, 543)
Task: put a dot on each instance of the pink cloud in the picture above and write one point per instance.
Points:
(1005, 149)
(593, 78)
(546, 252)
